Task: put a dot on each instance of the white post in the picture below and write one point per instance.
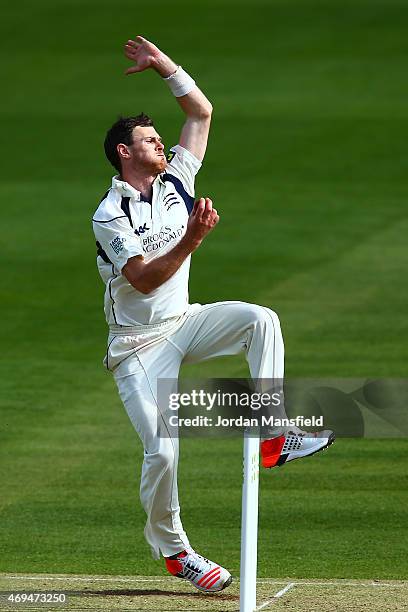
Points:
(249, 526)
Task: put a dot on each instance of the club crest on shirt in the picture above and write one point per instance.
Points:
(170, 156)
(170, 199)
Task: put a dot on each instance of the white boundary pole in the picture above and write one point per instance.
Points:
(249, 525)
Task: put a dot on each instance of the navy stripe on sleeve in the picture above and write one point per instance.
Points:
(105, 195)
(102, 253)
(109, 220)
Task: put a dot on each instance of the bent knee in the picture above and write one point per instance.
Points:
(264, 315)
(272, 314)
(161, 460)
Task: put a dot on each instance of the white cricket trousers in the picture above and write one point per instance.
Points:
(212, 330)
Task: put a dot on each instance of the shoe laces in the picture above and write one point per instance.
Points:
(195, 561)
(296, 431)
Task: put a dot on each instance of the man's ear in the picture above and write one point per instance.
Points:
(123, 151)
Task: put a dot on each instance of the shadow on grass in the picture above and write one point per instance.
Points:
(156, 593)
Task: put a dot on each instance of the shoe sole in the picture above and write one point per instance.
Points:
(283, 458)
(226, 583)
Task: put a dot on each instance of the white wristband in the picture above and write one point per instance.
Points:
(180, 82)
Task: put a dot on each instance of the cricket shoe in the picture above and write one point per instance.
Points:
(202, 573)
(294, 444)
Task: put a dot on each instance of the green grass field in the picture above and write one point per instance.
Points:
(307, 167)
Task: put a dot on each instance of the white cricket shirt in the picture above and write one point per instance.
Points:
(125, 225)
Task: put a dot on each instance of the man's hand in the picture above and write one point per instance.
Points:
(202, 220)
(147, 276)
(194, 135)
(144, 54)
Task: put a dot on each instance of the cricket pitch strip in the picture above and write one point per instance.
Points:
(169, 594)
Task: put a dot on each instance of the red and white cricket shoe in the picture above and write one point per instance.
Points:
(202, 573)
(294, 445)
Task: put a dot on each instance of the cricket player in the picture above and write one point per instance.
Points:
(147, 225)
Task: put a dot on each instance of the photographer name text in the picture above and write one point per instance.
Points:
(240, 421)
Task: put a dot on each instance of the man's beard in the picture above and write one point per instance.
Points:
(158, 166)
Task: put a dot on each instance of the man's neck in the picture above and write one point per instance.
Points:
(144, 184)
